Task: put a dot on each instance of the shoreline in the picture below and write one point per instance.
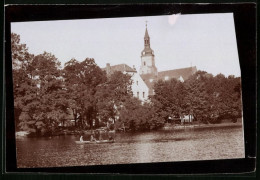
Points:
(21, 134)
(201, 126)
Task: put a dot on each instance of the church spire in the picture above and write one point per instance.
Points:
(146, 32)
(147, 49)
(147, 57)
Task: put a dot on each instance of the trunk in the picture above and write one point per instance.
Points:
(82, 123)
(75, 117)
(96, 123)
(17, 113)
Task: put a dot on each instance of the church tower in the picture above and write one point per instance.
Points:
(147, 57)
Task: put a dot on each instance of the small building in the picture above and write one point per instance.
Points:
(139, 87)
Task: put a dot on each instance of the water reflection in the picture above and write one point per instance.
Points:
(160, 146)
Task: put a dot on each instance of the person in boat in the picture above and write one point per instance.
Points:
(97, 135)
(110, 138)
(110, 129)
(92, 138)
(111, 134)
(81, 139)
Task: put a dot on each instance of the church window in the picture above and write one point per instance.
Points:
(144, 63)
(143, 94)
(138, 94)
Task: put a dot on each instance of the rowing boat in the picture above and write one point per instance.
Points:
(95, 142)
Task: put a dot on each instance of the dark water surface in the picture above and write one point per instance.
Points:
(157, 146)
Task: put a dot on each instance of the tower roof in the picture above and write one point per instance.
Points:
(147, 49)
(146, 33)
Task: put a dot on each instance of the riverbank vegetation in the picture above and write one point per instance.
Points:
(47, 96)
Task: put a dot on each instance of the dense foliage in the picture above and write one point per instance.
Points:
(209, 99)
(47, 96)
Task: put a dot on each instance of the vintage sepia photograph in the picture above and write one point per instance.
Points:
(127, 90)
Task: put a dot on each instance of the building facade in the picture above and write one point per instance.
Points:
(139, 87)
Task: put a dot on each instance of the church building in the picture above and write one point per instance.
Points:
(148, 70)
(143, 81)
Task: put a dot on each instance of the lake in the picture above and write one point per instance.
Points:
(155, 146)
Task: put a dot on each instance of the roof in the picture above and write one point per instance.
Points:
(185, 73)
(146, 34)
(119, 67)
(122, 68)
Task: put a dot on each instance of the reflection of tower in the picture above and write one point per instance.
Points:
(147, 57)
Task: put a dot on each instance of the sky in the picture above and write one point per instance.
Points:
(207, 41)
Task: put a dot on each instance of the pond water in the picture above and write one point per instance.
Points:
(156, 146)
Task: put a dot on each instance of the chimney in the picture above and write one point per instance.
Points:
(108, 68)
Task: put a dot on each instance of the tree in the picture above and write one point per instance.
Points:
(23, 83)
(201, 96)
(45, 107)
(82, 80)
(214, 98)
(229, 97)
(138, 116)
(170, 97)
(112, 94)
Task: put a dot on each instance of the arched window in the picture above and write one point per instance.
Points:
(144, 63)
(138, 94)
(143, 94)
(136, 82)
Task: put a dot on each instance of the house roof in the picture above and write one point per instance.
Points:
(122, 68)
(119, 67)
(185, 73)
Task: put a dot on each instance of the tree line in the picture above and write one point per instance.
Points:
(45, 95)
